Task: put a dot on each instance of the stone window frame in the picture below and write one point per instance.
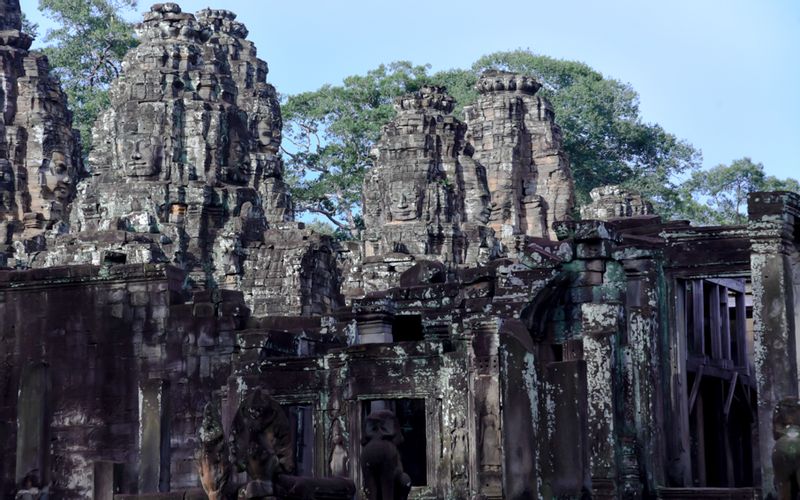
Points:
(319, 446)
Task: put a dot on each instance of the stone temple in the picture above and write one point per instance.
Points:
(169, 331)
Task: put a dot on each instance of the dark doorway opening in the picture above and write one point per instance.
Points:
(413, 450)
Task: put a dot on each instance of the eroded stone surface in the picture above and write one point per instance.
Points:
(614, 202)
(186, 169)
(515, 137)
(424, 190)
(40, 161)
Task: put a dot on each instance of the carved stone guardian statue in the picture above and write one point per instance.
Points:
(380, 459)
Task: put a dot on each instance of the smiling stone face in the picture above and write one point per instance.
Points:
(58, 177)
(142, 155)
(404, 202)
(6, 187)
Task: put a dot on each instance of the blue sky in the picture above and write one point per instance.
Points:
(722, 74)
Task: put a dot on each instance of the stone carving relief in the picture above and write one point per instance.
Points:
(786, 453)
(260, 445)
(380, 459)
(40, 160)
(515, 138)
(614, 202)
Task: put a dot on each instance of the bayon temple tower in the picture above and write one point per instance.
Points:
(170, 331)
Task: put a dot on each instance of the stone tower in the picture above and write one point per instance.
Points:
(40, 161)
(517, 140)
(425, 194)
(185, 169)
(186, 157)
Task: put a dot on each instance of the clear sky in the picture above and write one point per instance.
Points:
(722, 74)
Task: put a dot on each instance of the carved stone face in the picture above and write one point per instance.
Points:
(58, 176)
(142, 155)
(477, 200)
(6, 185)
(264, 135)
(478, 209)
(403, 202)
(500, 210)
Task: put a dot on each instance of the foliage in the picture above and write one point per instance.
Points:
(719, 195)
(330, 133)
(604, 136)
(29, 27)
(332, 130)
(86, 50)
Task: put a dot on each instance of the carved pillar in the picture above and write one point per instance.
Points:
(597, 294)
(154, 453)
(487, 413)
(775, 265)
(644, 381)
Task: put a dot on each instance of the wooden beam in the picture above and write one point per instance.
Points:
(732, 283)
(695, 387)
(727, 409)
(725, 316)
(741, 331)
(715, 324)
(699, 344)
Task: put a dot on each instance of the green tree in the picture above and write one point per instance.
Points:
(330, 131)
(719, 195)
(329, 134)
(604, 135)
(29, 27)
(85, 51)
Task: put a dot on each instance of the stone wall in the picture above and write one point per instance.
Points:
(108, 335)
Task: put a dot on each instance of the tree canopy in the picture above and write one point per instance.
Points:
(719, 195)
(329, 134)
(85, 51)
(333, 128)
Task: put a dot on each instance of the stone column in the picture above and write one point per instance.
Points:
(644, 379)
(775, 265)
(154, 453)
(597, 293)
(487, 412)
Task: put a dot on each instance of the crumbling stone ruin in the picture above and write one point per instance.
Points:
(614, 202)
(515, 137)
(40, 161)
(169, 332)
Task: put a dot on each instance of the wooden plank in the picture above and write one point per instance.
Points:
(695, 387)
(699, 344)
(725, 327)
(741, 331)
(732, 283)
(715, 326)
(727, 409)
(701, 444)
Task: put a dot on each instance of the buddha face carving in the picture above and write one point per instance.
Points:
(142, 155)
(264, 135)
(477, 200)
(500, 211)
(6, 185)
(403, 202)
(58, 177)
